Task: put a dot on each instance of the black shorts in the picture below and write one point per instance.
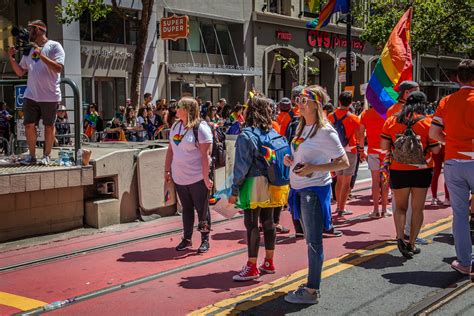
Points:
(400, 179)
(34, 111)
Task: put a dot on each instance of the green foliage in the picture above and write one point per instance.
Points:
(439, 26)
(73, 9)
(291, 64)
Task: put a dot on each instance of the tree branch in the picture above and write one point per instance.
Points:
(121, 12)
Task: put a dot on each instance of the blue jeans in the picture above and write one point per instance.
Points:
(312, 220)
(459, 178)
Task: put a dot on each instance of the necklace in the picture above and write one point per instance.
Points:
(177, 138)
(297, 141)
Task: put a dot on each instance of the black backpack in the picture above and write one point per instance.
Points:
(218, 153)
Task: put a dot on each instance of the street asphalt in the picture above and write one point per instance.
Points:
(386, 285)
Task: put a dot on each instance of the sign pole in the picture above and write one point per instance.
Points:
(349, 47)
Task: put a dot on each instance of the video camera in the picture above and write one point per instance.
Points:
(22, 36)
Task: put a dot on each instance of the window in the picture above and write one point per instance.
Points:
(312, 8)
(223, 37)
(209, 38)
(282, 7)
(111, 29)
(194, 39)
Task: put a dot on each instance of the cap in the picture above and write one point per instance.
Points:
(118, 115)
(62, 108)
(39, 24)
(172, 100)
(222, 100)
(416, 97)
(284, 104)
(406, 85)
(296, 91)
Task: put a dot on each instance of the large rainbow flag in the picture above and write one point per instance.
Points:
(331, 7)
(393, 67)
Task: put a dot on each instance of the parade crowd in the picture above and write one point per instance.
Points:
(300, 152)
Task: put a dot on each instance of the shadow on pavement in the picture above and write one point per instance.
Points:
(444, 238)
(161, 254)
(434, 279)
(280, 307)
(230, 235)
(348, 232)
(382, 261)
(361, 243)
(217, 282)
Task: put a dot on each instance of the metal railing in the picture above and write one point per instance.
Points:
(77, 107)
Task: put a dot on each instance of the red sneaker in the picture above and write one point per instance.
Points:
(267, 266)
(248, 272)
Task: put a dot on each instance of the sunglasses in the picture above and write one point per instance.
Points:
(307, 95)
(303, 100)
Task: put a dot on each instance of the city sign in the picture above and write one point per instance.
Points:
(174, 27)
(19, 91)
(284, 36)
(331, 40)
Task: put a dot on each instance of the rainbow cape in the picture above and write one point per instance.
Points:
(393, 67)
(331, 7)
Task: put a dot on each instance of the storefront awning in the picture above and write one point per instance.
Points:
(235, 71)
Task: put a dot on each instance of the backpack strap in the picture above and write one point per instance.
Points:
(196, 133)
(411, 123)
(342, 117)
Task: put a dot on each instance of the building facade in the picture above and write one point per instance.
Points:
(232, 47)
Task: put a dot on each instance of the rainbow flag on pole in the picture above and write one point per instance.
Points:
(393, 67)
(331, 7)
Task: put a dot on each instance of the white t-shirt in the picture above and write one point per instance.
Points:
(43, 82)
(318, 150)
(141, 121)
(186, 167)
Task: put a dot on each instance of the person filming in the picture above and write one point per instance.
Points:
(44, 64)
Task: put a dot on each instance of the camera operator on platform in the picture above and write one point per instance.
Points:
(44, 64)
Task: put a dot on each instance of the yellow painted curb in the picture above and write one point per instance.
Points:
(19, 302)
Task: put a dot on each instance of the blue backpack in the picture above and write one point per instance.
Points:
(340, 129)
(273, 148)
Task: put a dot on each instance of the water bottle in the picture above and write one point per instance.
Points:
(79, 158)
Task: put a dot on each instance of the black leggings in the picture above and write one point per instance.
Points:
(253, 235)
(194, 196)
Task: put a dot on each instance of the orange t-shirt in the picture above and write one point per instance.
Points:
(284, 119)
(276, 127)
(351, 124)
(455, 114)
(392, 128)
(373, 123)
(394, 109)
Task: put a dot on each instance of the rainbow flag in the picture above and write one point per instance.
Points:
(393, 67)
(331, 7)
(270, 155)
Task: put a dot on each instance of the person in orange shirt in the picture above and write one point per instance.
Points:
(404, 89)
(351, 125)
(408, 179)
(371, 123)
(453, 124)
(285, 116)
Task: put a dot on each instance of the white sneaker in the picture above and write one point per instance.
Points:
(45, 161)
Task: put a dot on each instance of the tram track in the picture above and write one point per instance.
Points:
(75, 253)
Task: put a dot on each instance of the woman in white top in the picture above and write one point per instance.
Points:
(316, 150)
(187, 165)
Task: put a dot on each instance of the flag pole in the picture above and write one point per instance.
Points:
(349, 46)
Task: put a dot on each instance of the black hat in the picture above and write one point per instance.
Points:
(416, 97)
(406, 85)
(284, 104)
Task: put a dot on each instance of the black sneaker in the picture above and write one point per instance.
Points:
(203, 227)
(184, 244)
(404, 249)
(415, 250)
(204, 247)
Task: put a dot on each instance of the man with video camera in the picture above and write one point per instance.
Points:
(43, 59)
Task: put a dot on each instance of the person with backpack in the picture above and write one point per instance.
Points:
(315, 151)
(411, 168)
(453, 124)
(260, 183)
(347, 126)
(187, 164)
